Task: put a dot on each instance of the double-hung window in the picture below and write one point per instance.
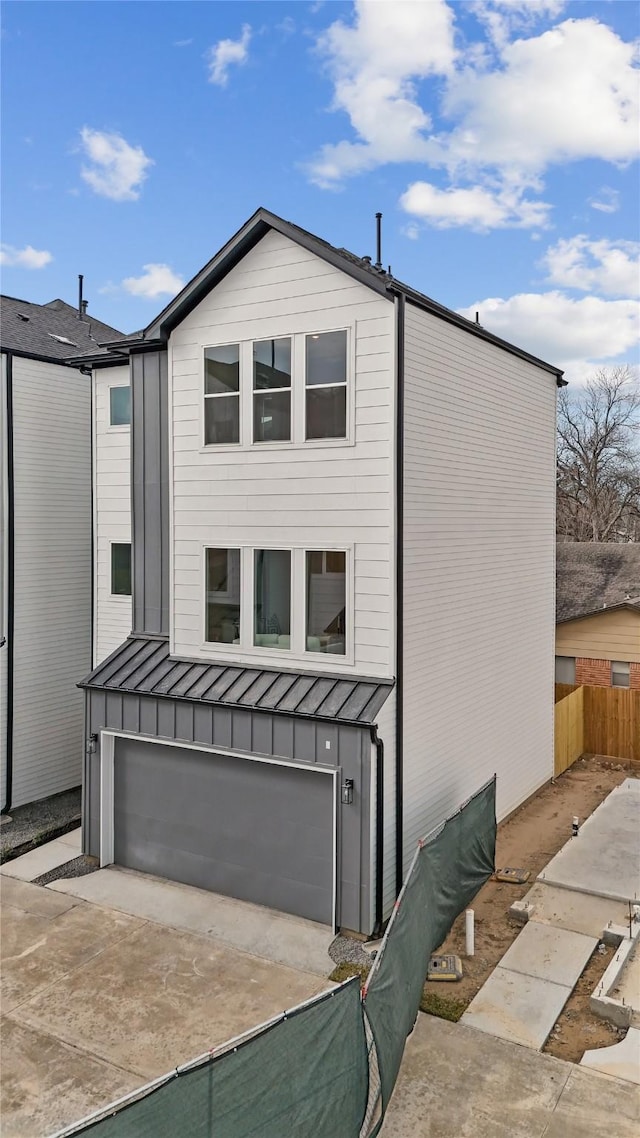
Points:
(222, 394)
(223, 596)
(272, 390)
(326, 599)
(620, 673)
(326, 385)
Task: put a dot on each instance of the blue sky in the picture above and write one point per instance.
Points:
(499, 138)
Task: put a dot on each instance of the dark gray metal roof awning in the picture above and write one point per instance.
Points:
(143, 666)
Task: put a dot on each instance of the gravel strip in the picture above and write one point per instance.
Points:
(347, 950)
(39, 822)
(77, 867)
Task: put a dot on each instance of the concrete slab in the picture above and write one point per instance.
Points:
(449, 1087)
(516, 1007)
(577, 912)
(622, 1059)
(47, 1085)
(73, 839)
(250, 928)
(592, 862)
(37, 950)
(549, 953)
(158, 997)
(33, 898)
(38, 861)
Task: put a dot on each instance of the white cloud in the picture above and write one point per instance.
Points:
(182, 43)
(504, 17)
(374, 64)
(568, 94)
(117, 169)
(27, 258)
(568, 333)
(226, 52)
(607, 200)
(475, 206)
(156, 280)
(610, 267)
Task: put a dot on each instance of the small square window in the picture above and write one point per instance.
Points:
(619, 674)
(121, 569)
(222, 395)
(119, 406)
(565, 670)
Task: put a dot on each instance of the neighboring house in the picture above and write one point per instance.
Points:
(341, 491)
(45, 559)
(598, 614)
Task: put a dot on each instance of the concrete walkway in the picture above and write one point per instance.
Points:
(582, 890)
(44, 858)
(455, 1083)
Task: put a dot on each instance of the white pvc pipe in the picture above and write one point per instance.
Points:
(469, 931)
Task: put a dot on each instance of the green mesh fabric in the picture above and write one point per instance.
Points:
(306, 1076)
(446, 875)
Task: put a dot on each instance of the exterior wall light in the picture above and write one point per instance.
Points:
(347, 792)
(92, 744)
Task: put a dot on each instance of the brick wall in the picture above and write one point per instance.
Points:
(596, 673)
(634, 676)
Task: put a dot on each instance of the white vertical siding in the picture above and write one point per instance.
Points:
(386, 725)
(52, 641)
(290, 495)
(479, 549)
(112, 512)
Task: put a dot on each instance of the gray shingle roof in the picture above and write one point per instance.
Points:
(591, 576)
(52, 330)
(142, 666)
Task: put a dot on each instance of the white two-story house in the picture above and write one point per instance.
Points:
(342, 518)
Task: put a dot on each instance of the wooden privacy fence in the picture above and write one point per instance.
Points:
(569, 730)
(598, 721)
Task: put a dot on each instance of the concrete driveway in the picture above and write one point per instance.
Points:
(97, 1002)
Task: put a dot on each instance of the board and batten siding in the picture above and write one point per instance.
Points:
(479, 558)
(112, 512)
(4, 564)
(52, 631)
(286, 494)
(386, 727)
(605, 636)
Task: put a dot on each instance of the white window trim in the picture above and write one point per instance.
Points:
(117, 428)
(298, 393)
(120, 597)
(298, 653)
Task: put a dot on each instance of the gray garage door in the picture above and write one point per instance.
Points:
(257, 831)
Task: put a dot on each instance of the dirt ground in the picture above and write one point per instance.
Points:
(529, 839)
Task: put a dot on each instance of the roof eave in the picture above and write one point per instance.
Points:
(600, 612)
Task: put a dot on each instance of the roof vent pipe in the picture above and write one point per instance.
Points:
(80, 309)
(85, 305)
(378, 241)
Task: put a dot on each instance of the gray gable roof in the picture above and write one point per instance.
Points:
(50, 331)
(592, 576)
(144, 666)
(156, 333)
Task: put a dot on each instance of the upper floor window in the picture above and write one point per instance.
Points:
(326, 601)
(620, 671)
(121, 568)
(272, 390)
(222, 394)
(272, 598)
(289, 389)
(326, 386)
(119, 406)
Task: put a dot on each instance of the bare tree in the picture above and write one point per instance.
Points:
(598, 487)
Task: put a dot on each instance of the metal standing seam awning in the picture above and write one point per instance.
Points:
(143, 666)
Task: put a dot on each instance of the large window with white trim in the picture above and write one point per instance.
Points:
(285, 390)
(292, 600)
